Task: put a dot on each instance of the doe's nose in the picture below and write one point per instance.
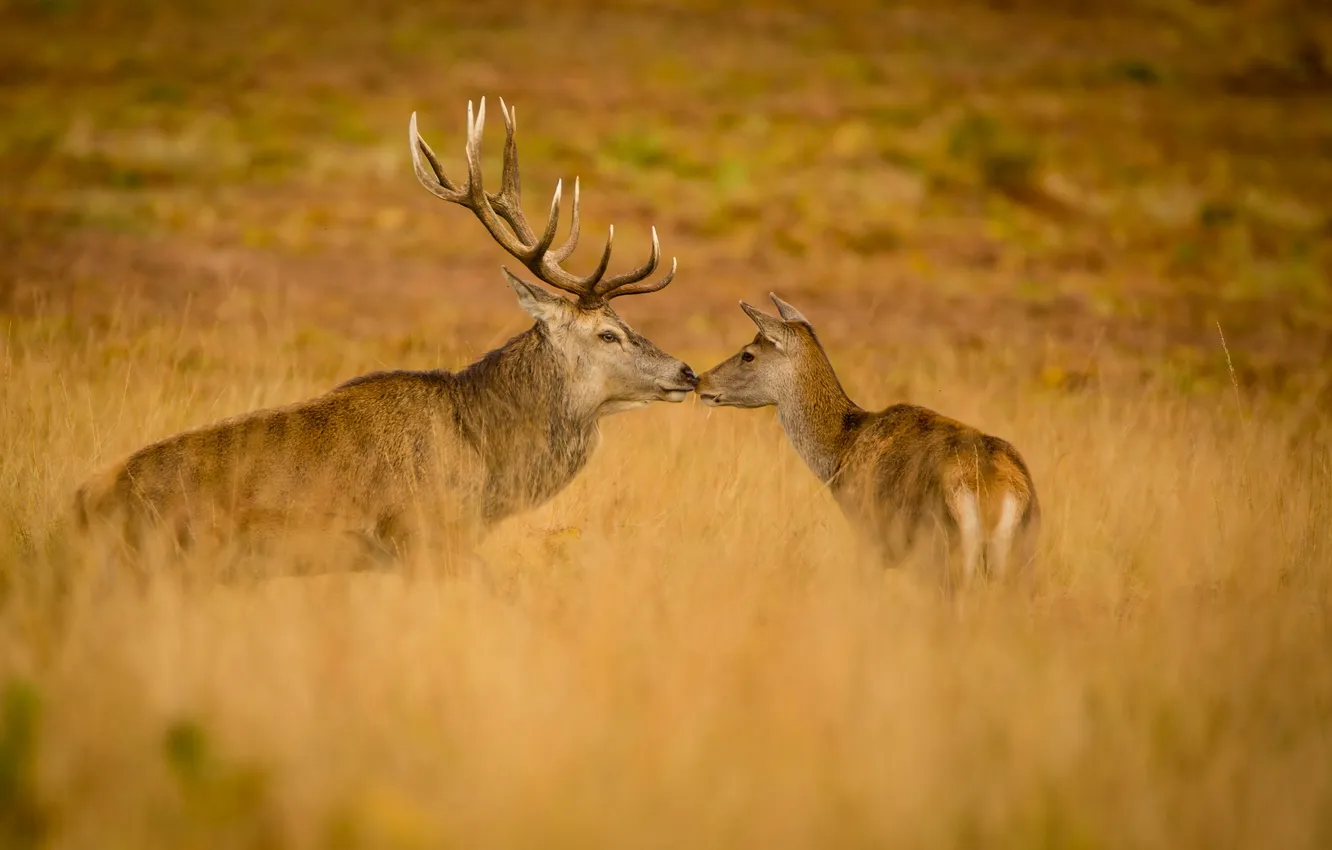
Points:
(688, 375)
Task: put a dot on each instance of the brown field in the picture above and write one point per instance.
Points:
(1038, 222)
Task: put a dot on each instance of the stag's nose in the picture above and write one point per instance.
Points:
(687, 375)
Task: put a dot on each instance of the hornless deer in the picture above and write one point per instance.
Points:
(396, 457)
(895, 473)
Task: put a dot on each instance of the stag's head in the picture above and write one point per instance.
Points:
(784, 355)
(615, 368)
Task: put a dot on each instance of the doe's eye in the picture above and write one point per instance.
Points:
(607, 336)
(746, 356)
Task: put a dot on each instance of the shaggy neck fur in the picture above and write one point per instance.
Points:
(516, 408)
(817, 415)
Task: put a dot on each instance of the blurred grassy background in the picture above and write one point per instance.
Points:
(1059, 178)
(1036, 216)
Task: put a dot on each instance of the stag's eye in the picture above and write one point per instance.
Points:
(607, 336)
(746, 356)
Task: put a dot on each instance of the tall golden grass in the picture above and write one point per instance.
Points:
(686, 648)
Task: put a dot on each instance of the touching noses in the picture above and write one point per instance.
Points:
(687, 375)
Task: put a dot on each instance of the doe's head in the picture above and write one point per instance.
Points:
(769, 369)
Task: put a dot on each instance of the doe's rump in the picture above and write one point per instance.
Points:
(914, 475)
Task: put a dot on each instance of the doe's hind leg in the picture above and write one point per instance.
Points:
(964, 508)
(999, 546)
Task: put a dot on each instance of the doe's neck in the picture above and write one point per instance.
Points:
(816, 417)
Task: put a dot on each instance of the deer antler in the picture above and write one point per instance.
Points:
(518, 238)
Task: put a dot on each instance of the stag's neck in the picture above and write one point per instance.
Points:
(819, 419)
(517, 407)
(527, 374)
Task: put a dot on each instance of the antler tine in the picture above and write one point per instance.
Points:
(476, 124)
(548, 236)
(440, 186)
(644, 288)
(511, 181)
(562, 253)
(508, 203)
(608, 287)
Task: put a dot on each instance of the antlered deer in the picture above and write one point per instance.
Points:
(396, 457)
(897, 472)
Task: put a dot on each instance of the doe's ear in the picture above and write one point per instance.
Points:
(537, 302)
(789, 313)
(772, 328)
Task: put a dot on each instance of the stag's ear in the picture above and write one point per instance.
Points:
(539, 304)
(773, 329)
(789, 313)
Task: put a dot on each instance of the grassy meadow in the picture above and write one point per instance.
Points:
(1102, 236)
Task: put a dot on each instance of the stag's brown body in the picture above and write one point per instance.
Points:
(402, 458)
(901, 473)
(381, 455)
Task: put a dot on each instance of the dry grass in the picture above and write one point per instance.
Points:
(686, 649)
(1031, 220)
